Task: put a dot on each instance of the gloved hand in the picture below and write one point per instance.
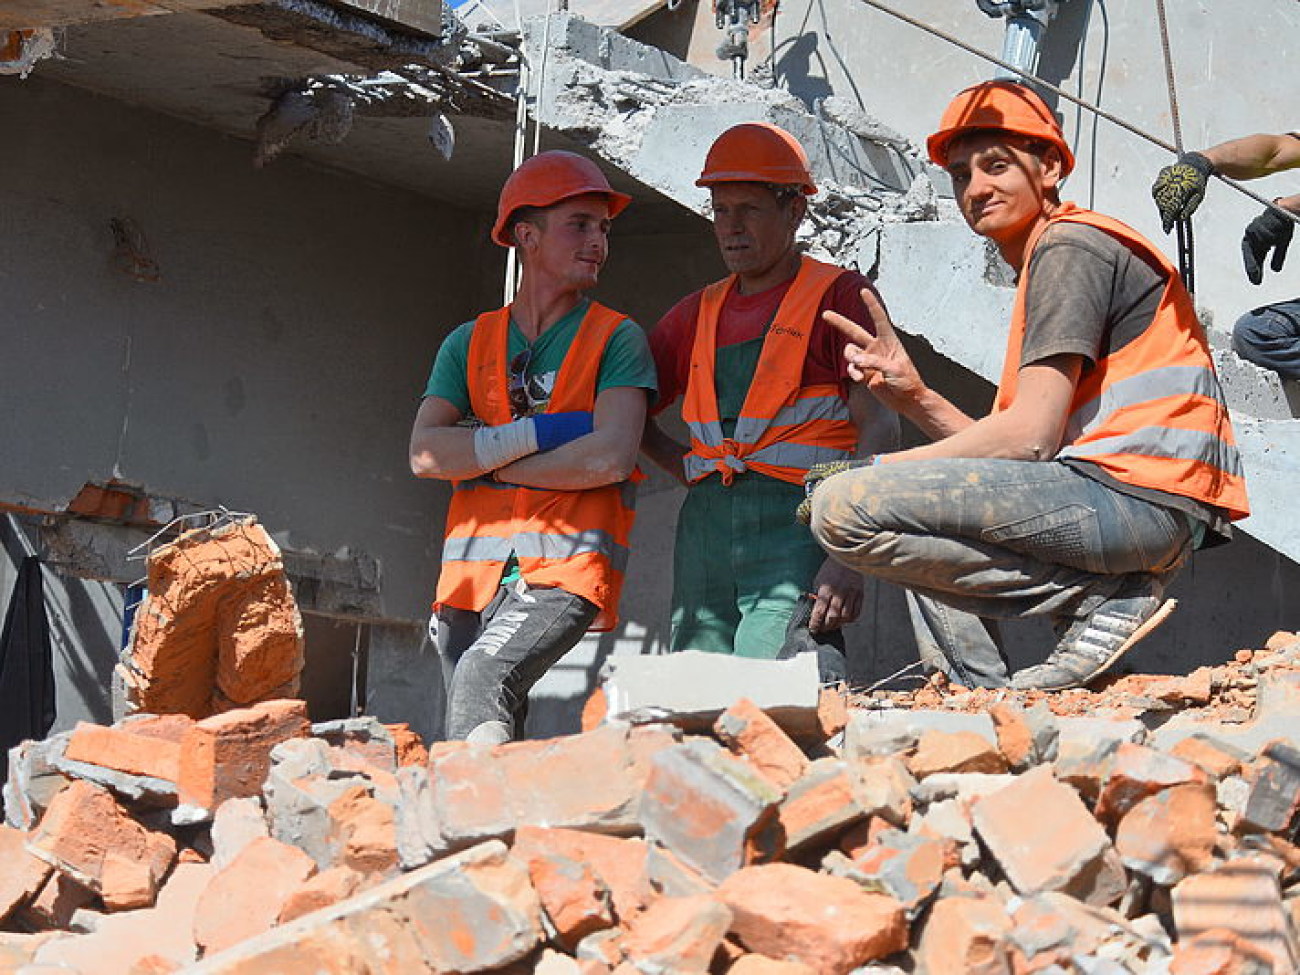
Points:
(1179, 188)
(818, 473)
(557, 429)
(1269, 231)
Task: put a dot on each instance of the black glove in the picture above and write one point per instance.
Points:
(1180, 188)
(1270, 231)
(818, 473)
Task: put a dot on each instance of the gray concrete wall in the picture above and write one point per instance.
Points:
(274, 367)
(1235, 68)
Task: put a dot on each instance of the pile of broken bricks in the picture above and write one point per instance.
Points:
(765, 841)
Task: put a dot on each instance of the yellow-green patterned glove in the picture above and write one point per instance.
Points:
(1180, 188)
(818, 473)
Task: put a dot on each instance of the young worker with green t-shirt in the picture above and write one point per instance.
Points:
(534, 413)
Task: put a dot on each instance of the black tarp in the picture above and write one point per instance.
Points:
(26, 664)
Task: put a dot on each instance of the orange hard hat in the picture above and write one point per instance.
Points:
(757, 152)
(549, 178)
(1004, 105)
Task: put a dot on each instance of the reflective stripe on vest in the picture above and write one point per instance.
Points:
(577, 541)
(1151, 414)
(782, 429)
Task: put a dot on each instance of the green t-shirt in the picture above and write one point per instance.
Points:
(627, 360)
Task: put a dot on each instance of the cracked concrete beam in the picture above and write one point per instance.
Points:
(37, 14)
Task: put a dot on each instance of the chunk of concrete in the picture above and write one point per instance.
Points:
(694, 688)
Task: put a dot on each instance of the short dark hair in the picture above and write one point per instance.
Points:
(533, 215)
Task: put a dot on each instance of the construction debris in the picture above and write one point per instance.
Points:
(918, 840)
(219, 627)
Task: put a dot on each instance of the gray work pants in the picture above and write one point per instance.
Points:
(491, 659)
(997, 539)
(1270, 337)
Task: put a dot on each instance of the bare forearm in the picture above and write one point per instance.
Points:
(993, 436)
(1255, 156)
(588, 462)
(445, 453)
(935, 416)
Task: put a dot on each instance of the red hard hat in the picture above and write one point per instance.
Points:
(757, 152)
(1004, 105)
(549, 178)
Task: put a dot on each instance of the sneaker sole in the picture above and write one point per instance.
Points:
(1159, 616)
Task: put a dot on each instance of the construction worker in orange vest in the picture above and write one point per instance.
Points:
(1108, 454)
(534, 413)
(767, 395)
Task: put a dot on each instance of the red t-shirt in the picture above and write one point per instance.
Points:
(745, 317)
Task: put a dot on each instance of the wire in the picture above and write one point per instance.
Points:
(1048, 86)
(1186, 242)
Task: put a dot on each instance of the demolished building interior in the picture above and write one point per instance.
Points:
(234, 235)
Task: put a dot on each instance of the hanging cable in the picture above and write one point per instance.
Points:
(1186, 245)
(521, 138)
(1087, 106)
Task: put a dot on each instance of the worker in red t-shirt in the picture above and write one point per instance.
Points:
(766, 394)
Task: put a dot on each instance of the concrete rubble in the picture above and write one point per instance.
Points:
(1144, 827)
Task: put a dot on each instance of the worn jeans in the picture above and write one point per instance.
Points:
(491, 659)
(976, 540)
(1270, 337)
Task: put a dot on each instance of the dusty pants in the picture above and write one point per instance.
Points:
(1000, 539)
(491, 659)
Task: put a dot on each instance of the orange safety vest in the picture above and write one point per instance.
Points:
(783, 428)
(577, 541)
(1151, 414)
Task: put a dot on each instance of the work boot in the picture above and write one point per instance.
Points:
(1093, 643)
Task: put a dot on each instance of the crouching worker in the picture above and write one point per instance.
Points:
(534, 412)
(1108, 454)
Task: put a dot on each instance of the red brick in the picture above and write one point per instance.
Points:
(954, 751)
(883, 788)
(247, 897)
(322, 890)
(832, 712)
(1170, 834)
(1218, 763)
(819, 806)
(55, 903)
(1015, 740)
(1243, 896)
(409, 745)
(711, 809)
(907, 867)
(619, 864)
(1138, 772)
(87, 834)
(235, 824)
(587, 781)
(762, 965)
(748, 731)
(124, 750)
(1220, 952)
(594, 709)
(574, 897)
(219, 627)
(965, 936)
(828, 923)
(156, 939)
(1040, 832)
(227, 756)
(677, 934)
(364, 830)
(22, 875)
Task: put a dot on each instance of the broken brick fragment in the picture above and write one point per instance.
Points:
(148, 747)
(907, 867)
(410, 747)
(22, 874)
(677, 934)
(247, 897)
(619, 864)
(819, 806)
(748, 731)
(762, 965)
(711, 809)
(1220, 951)
(321, 890)
(1215, 759)
(574, 897)
(1040, 832)
(1274, 800)
(1243, 896)
(1170, 834)
(954, 751)
(219, 627)
(1138, 772)
(87, 834)
(883, 787)
(227, 755)
(363, 829)
(828, 923)
(966, 936)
